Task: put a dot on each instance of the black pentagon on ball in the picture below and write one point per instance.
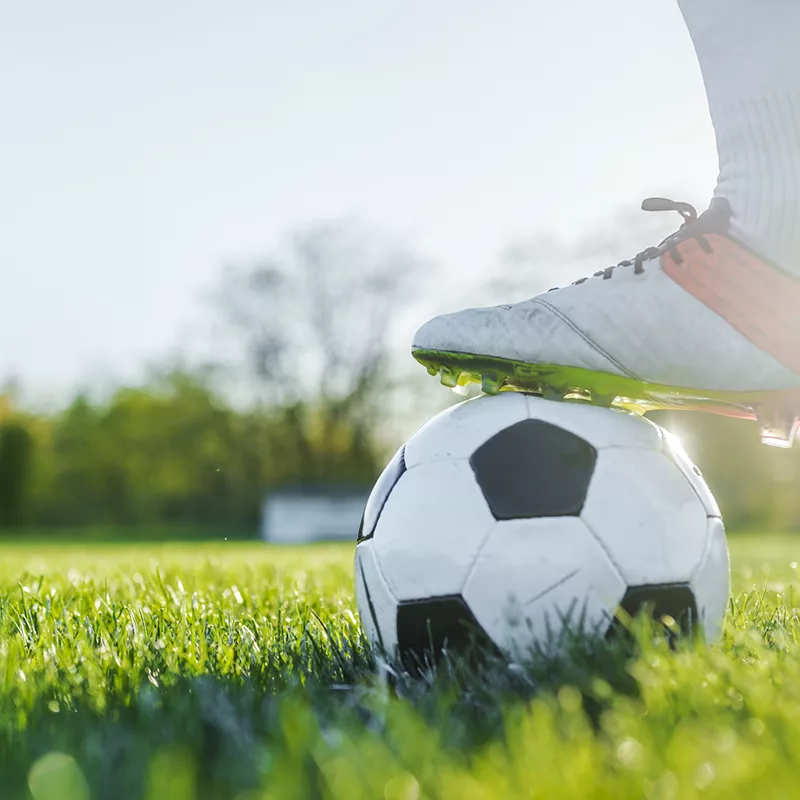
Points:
(534, 469)
(672, 600)
(380, 494)
(426, 628)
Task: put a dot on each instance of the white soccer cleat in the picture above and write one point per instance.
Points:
(700, 322)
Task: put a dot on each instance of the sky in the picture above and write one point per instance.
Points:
(144, 145)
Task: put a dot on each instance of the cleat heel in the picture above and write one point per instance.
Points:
(773, 438)
(779, 434)
(778, 422)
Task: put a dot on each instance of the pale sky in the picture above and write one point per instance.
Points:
(142, 145)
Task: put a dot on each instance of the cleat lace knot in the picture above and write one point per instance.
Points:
(669, 245)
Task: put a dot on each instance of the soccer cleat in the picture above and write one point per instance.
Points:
(700, 322)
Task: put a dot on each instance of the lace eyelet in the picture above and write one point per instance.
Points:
(668, 246)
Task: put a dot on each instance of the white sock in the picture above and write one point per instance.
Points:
(749, 53)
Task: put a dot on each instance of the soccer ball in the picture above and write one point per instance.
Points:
(517, 518)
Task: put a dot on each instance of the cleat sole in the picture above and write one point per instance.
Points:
(777, 412)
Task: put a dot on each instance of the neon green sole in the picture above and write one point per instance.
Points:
(778, 412)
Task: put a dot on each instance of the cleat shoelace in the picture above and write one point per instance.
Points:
(669, 245)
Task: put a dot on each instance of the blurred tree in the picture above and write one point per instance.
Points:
(314, 331)
(169, 452)
(315, 324)
(16, 471)
(174, 451)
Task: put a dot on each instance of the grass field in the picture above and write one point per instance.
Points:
(237, 671)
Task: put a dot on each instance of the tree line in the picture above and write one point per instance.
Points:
(306, 390)
(300, 390)
(172, 452)
(176, 452)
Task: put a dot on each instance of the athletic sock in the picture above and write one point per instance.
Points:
(749, 53)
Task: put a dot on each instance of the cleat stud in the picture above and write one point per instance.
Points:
(778, 426)
(491, 383)
(462, 389)
(432, 371)
(579, 395)
(449, 377)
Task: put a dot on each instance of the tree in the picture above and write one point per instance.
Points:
(315, 325)
(16, 472)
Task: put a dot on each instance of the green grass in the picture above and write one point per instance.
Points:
(234, 670)
(101, 534)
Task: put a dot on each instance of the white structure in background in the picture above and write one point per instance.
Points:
(309, 514)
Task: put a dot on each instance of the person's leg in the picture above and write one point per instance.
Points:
(709, 319)
(749, 53)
